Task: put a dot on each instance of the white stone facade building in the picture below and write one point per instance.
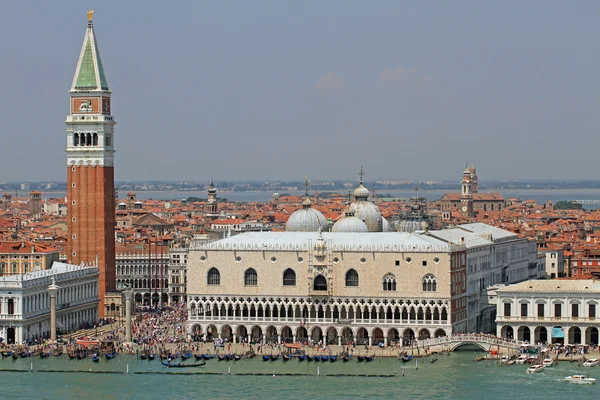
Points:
(25, 303)
(145, 272)
(177, 274)
(330, 287)
(494, 256)
(564, 311)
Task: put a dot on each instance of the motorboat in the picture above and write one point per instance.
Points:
(504, 359)
(582, 379)
(592, 362)
(535, 369)
(522, 359)
(548, 362)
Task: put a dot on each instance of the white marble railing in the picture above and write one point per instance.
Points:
(454, 339)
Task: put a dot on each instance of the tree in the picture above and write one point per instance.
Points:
(567, 205)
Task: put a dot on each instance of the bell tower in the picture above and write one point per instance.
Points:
(466, 194)
(90, 168)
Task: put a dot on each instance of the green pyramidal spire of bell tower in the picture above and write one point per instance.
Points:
(89, 74)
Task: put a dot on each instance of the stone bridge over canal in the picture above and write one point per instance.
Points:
(451, 343)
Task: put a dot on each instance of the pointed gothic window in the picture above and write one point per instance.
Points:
(352, 278)
(289, 277)
(76, 139)
(250, 277)
(320, 283)
(389, 283)
(213, 277)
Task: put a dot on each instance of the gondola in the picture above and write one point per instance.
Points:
(347, 358)
(333, 358)
(221, 358)
(274, 357)
(237, 357)
(15, 356)
(151, 357)
(164, 356)
(266, 358)
(318, 358)
(186, 356)
(110, 356)
(369, 358)
(81, 355)
(24, 354)
(325, 358)
(302, 357)
(286, 357)
(72, 356)
(310, 358)
(43, 355)
(95, 358)
(360, 358)
(229, 357)
(180, 365)
(434, 359)
(199, 357)
(143, 356)
(406, 358)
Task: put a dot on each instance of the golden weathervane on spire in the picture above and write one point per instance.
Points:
(90, 14)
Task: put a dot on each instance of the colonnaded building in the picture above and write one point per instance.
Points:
(25, 301)
(343, 286)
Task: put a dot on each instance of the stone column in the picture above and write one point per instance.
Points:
(52, 289)
(128, 296)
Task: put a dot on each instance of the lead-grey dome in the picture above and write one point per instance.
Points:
(306, 219)
(350, 223)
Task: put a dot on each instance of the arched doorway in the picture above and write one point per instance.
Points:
(408, 336)
(507, 332)
(138, 298)
(440, 333)
(164, 298)
(591, 335)
(317, 334)
(574, 335)
(10, 335)
(212, 332)
(524, 334)
(155, 298)
(347, 336)
(541, 334)
(196, 332)
(362, 336)
(146, 299)
(301, 334)
(257, 334)
(393, 336)
(241, 333)
(226, 333)
(377, 337)
(424, 334)
(332, 336)
(286, 334)
(271, 334)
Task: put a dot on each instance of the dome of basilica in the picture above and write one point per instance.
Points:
(350, 223)
(306, 219)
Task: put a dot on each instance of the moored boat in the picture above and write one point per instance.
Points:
(221, 358)
(151, 357)
(347, 358)
(266, 358)
(333, 358)
(274, 357)
(310, 358)
(582, 379)
(522, 359)
(548, 362)
(302, 357)
(95, 358)
(406, 358)
(325, 358)
(360, 358)
(369, 358)
(433, 359)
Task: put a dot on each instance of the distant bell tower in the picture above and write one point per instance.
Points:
(90, 168)
(474, 180)
(466, 195)
(213, 204)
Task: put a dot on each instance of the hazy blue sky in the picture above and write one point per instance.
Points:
(278, 89)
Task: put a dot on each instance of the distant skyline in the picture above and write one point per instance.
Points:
(270, 90)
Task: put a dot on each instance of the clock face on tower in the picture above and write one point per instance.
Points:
(464, 208)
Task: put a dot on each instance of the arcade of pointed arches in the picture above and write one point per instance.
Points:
(333, 321)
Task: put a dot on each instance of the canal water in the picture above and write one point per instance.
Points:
(451, 377)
